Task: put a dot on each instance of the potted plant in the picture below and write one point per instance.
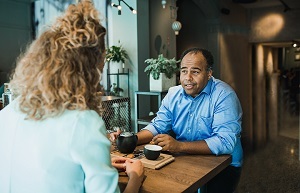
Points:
(116, 54)
(117, 122)
(116, 91)
(162, 72)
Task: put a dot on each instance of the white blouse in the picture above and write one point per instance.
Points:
(69, 153)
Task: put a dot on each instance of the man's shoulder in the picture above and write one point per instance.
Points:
(221, 89)
(220, 85)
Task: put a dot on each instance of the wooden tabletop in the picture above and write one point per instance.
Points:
(187, 173)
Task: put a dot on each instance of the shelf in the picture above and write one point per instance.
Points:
(110, 98)
(117, 74)
(145, 120)
(158, 93)
(121, 73)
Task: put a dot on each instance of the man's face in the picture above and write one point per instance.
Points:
(193, 73)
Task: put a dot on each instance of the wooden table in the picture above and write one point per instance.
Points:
(187, 173)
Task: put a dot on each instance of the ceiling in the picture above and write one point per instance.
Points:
(287, 5)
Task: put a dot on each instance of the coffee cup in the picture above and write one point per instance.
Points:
(152, 152)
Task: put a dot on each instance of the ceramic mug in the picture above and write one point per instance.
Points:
(152, 152)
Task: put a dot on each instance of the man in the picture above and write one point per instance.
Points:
(205, 115)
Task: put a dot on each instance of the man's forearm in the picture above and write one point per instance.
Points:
(144, 136)
(195, 147)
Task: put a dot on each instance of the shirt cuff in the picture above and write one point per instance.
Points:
(151, 128)
(212, 143)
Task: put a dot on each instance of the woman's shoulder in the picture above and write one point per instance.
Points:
(83, 120)
(82, 115)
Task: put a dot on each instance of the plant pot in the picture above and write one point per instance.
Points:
(163, 83)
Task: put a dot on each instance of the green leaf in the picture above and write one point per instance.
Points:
(161, 65)
(116, 54)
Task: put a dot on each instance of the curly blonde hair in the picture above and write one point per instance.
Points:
(61, 69)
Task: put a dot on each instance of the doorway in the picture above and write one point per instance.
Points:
(275, 93)
(289, 92)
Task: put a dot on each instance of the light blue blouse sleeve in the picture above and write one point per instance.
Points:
(91, 149)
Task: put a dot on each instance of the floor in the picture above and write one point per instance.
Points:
(290, 126)
(276, 167)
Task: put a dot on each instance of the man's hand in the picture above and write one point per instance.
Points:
(167, 142)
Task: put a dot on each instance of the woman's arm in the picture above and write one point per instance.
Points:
(133, 168)
(135, 172)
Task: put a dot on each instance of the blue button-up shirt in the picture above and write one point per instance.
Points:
(215, 115)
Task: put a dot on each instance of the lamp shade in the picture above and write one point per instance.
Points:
(176, 26)
(164, 2)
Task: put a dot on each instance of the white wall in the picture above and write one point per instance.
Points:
(122, 30)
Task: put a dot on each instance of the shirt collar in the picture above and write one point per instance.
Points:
(207, 88)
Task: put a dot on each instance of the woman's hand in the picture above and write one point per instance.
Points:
(112, 136)
(119, 163)
(135, 170)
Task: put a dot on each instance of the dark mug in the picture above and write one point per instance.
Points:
(126, 142)
(152, 152)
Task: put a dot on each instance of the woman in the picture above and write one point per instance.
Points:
(52, 137)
